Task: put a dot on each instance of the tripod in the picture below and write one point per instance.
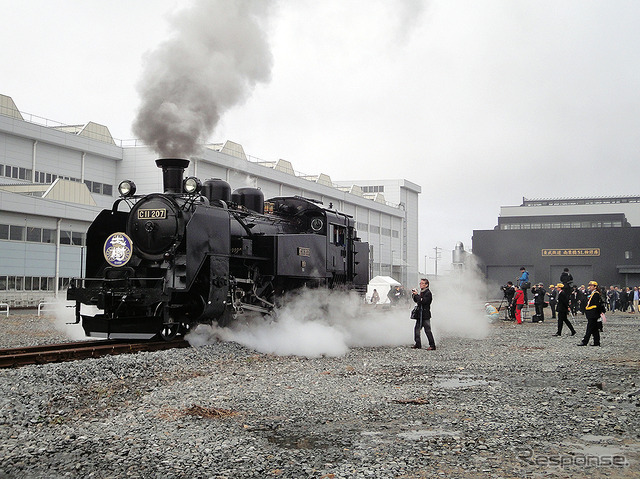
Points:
(507, 316)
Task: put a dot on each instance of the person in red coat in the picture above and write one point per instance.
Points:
(519, 300)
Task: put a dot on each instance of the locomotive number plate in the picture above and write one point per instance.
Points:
(152, 214)
(304, 251)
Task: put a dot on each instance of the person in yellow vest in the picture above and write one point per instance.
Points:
(593, 310)
(492, 313)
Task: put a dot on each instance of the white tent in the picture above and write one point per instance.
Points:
(382, 284)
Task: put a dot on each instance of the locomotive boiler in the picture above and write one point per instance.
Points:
(199, 253)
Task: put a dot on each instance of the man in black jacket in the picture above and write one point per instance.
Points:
(509, 292)
(563, 309)
(593, 309)
(566, 279)
(553, 294)
(538, 301)
(423, 299)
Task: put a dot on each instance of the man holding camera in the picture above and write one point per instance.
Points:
(423, 299)
(509, 292)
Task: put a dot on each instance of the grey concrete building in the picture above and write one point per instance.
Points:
(596, 238)
(55, 178)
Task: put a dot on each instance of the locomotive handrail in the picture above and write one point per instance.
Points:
(117, 202)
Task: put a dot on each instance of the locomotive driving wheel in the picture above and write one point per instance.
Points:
(170, 329)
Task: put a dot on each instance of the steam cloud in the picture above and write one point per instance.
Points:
(318, 323)
(218, 53)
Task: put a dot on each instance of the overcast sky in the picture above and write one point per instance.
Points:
(478, 102)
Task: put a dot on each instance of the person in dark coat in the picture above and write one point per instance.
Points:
(538, 292)
(566, 279)
(509, 293)
(573, 299)
(593, 309)
(423, 299)
(563, 309)
(613, 297)
(582, 298)
(553, 295)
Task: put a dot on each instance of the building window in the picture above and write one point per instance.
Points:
(77, 239)
(65, 237)
(16, 233)
(34, 234)
(48, 236)
(373, 189)
(374, 229)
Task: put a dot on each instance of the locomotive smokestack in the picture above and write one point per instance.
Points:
(172, 172)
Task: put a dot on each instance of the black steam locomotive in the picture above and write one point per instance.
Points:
(199, 253)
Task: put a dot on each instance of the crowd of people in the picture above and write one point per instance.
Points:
(565, 299)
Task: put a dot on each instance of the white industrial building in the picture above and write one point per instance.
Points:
(54, 179)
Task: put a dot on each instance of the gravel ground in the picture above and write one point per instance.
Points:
(518, 403)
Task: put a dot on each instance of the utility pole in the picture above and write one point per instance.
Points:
(436, 258)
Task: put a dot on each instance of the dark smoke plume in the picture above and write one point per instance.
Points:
(218, 52)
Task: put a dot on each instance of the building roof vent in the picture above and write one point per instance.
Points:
(9, 108)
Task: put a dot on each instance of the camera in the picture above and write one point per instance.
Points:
(508, 290)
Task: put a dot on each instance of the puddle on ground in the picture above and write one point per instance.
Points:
(458, 381)
(598, 450)
(424, 433)
(299, 441)
(594, 438)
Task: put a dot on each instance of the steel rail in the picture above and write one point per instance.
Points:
(53, 353)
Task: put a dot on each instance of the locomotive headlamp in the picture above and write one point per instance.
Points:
(192, 185)
(127, 188)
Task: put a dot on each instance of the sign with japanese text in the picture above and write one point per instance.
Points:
(571, 252)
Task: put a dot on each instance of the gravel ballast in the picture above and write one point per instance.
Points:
(514, 403)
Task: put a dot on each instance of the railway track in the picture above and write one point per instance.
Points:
(55, 353)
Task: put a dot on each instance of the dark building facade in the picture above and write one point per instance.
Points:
(593, 237)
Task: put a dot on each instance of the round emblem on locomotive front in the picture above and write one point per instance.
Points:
(117, 249)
